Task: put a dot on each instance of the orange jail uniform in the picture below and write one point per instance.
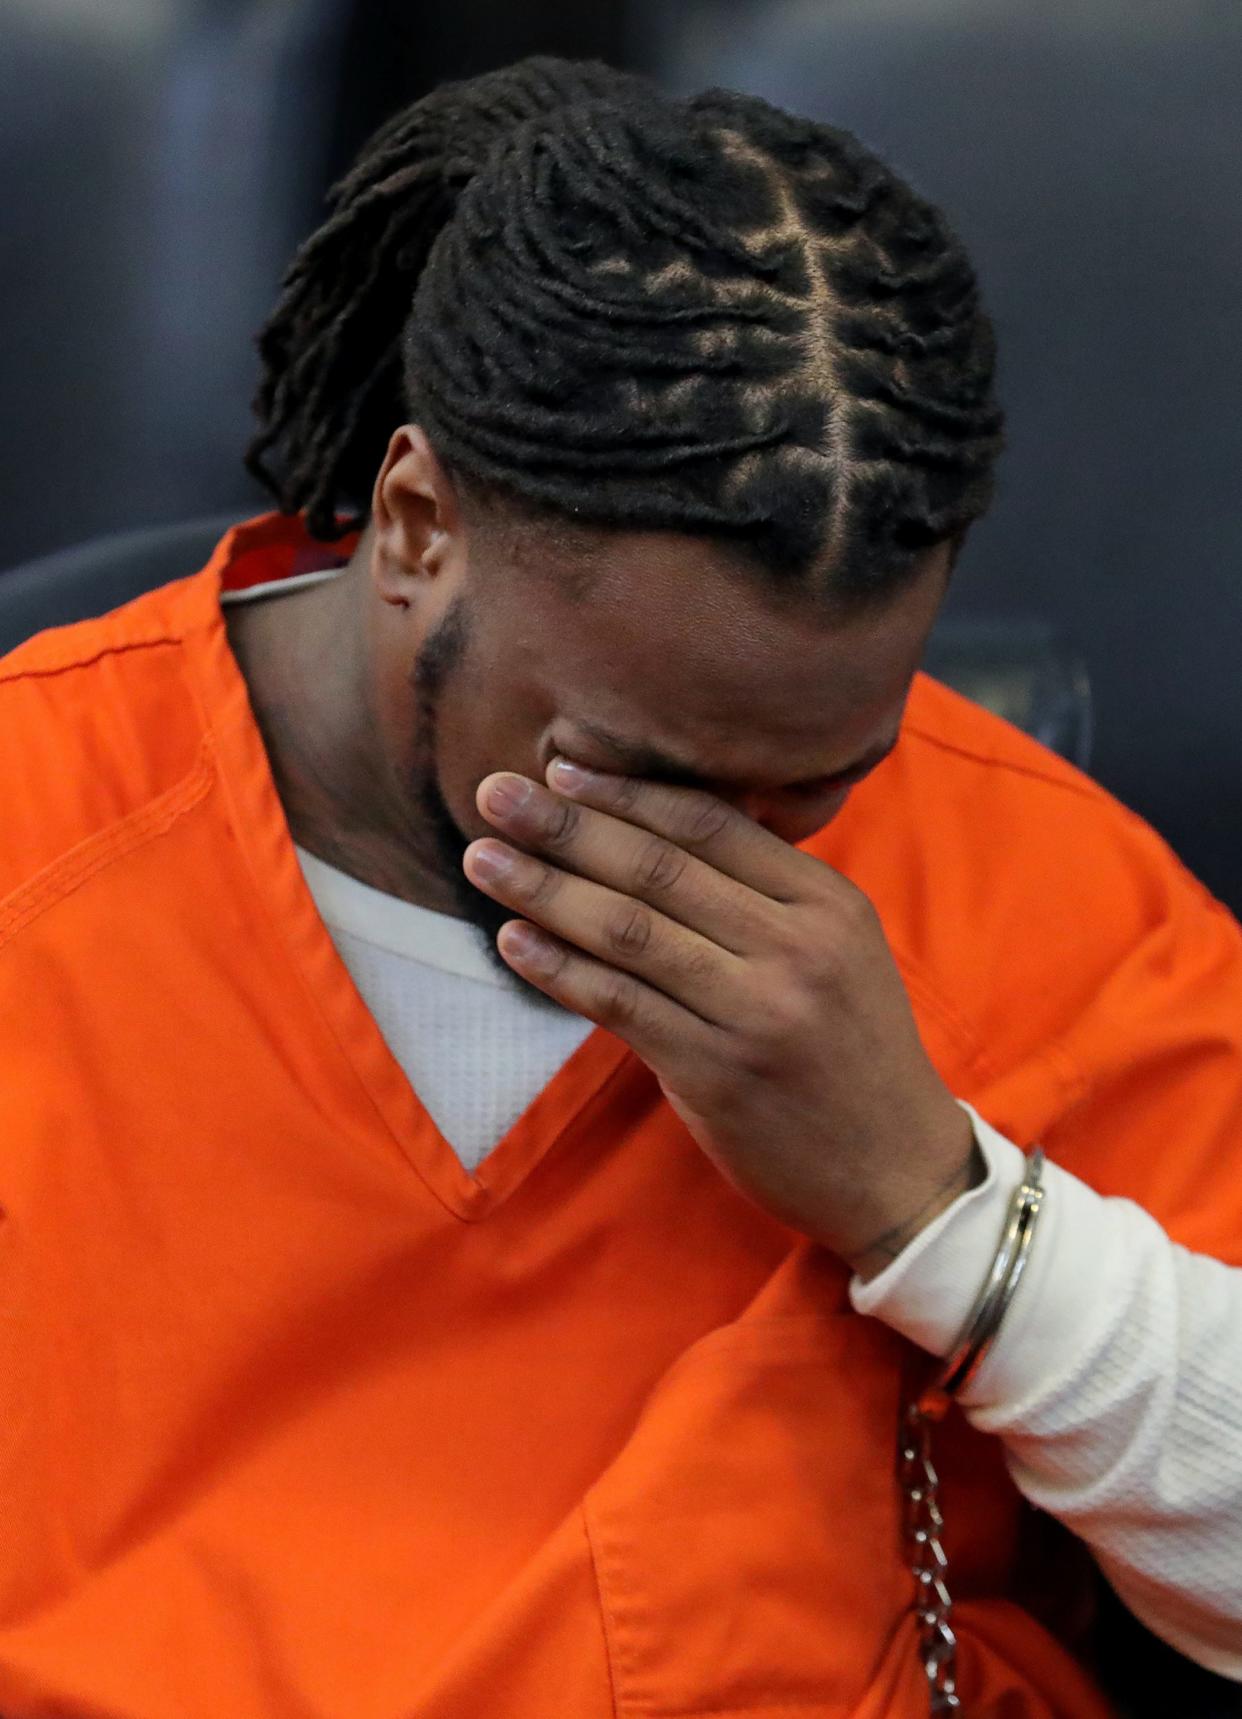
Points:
(299, 1420)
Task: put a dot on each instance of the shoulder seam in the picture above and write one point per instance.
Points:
(71, 870)
(40, 671)
(1078, 783)
(1086, 788)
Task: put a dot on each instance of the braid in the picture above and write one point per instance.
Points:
(330, 393)
(704, 316)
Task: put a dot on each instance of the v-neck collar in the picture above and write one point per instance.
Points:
(266, 550)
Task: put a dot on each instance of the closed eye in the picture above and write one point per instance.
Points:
(821, 786)
(635, 760)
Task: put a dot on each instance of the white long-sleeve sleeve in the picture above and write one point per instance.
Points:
(1115, 1385)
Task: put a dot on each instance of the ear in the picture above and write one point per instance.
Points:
(415, 517)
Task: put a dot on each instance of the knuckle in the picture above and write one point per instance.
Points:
(558, 960)
(788, 937)
(542, 886)
(626, 791)
(851, 909)
(703, 817)
(788, 1022)
(764, 1040)
(833, 958)
(697, 963)
(757, 1056)
(616, 1004)
(628, 932)
(562, 823)
(848, 934)
(659, 866)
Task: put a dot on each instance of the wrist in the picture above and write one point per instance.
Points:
(911, 1211)
(927, 1293)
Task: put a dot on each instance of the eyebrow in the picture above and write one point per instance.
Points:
(656, 766)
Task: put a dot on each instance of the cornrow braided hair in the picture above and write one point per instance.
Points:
(706, 315)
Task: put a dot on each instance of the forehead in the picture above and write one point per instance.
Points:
(663, 642)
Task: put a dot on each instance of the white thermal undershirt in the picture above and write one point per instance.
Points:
(476, 1047)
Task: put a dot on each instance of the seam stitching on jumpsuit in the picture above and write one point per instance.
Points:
(57, 881)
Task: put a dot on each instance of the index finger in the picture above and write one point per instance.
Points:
(695, 820)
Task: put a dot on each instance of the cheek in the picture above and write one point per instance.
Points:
(475, 737)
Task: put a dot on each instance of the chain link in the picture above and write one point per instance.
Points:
(920, 1487)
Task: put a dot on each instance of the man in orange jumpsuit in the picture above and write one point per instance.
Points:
(646, 432)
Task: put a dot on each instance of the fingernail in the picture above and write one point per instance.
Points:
(508, 794)
(524, 944)
(491, 861)
(571, 776)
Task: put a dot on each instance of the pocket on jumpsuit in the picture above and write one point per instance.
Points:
(747, 1539)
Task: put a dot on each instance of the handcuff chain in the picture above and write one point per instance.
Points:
(928, 1564)
(920, 1484)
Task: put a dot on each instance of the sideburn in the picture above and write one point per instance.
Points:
(442, 654)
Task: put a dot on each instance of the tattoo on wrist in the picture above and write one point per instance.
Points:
(872, 1259)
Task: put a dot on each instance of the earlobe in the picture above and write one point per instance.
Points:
(413, 515)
